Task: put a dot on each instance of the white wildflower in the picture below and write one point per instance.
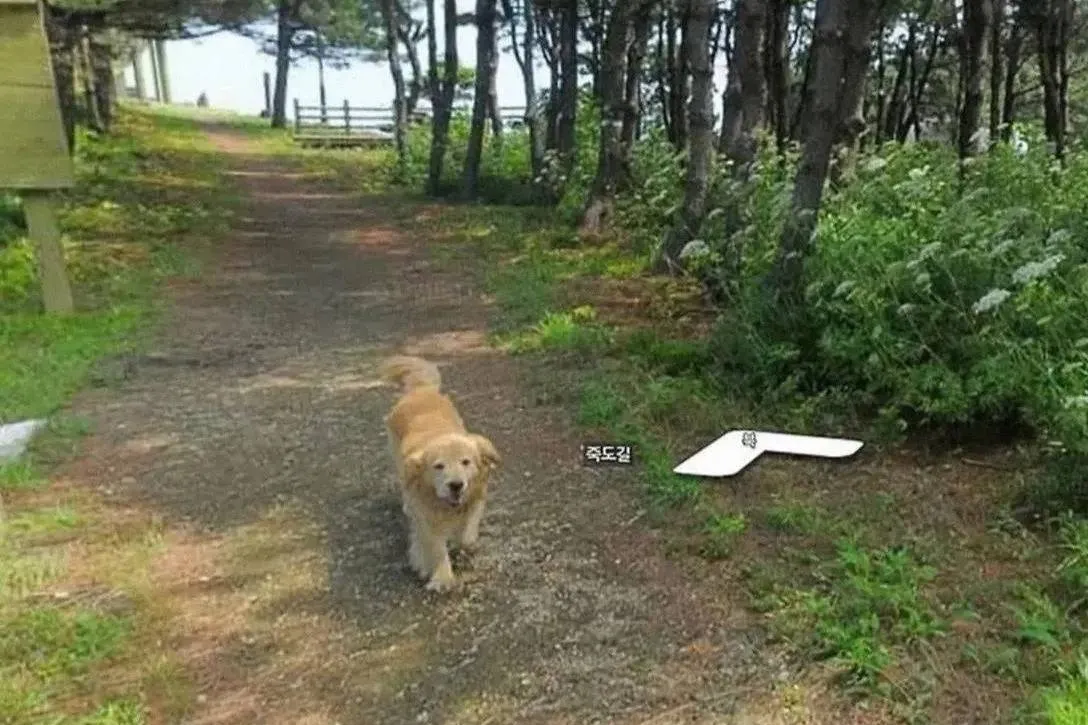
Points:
(917, 173)
(1059, 236)
(929, 250)
(876, 164)
(991, 300)
(1035, 270)
(1002, 247)
(843, 288)
(696, 248)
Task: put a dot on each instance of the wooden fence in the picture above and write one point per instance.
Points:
(348, 125)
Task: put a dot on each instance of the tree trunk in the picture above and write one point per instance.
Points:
(889, 122)
(851, 125)
(602, 195)
(400, 106)
(679, 80)
(485, 68)
(90, 82)
(664, 65)
(494, 113)
(777, 68)
(740, 141)
(156, 78)
(164, 71)
(636, 55)
(322, 98)
(443, 110)
(701, 138)
(976, 31)
(61, 43)
(523, 55)
(1051, 33)
(547, 33)
(918, 88)
(403, 25)
(797, 130)
(566, 136)
(434, 91)
(285, 34)
(106, 83)
(1012, 68)
(997, 37)
(841, 33)
(138, 76)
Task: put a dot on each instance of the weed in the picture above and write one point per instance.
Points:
(1040, 622)
(121, 712)
(796, 517)
(1067, 702)
(574, 331)
(720, 532)
(868, 604)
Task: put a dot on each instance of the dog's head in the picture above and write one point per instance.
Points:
(452, 465)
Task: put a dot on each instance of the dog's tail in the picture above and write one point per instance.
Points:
(411, 372)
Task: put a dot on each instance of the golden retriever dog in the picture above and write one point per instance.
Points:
(443, 469)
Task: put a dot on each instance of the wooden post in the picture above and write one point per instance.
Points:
(268, 94)
(34, 153)
(347, 118)
(298, 117)
(41, 222)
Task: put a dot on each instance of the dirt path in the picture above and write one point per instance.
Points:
(255, 432)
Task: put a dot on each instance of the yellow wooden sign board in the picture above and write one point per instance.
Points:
(33, 148)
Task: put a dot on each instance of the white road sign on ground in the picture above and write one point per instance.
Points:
(731, 453)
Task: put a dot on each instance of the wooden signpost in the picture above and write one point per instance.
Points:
(34, 157)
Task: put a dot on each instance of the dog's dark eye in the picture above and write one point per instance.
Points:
(464, 461)
(439, 466)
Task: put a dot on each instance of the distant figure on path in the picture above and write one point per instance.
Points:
(202, 100)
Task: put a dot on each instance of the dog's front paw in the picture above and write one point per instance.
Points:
(441, 584)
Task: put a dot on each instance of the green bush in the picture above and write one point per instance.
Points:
(936, 303)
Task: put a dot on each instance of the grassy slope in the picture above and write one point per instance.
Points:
(149, 200)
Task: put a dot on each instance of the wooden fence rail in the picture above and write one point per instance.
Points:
(347, 125)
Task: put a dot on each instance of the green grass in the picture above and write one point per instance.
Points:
(141, 193)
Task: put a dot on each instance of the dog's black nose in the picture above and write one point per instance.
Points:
(456, 487)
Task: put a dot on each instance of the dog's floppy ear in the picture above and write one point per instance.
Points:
(413, 465)
(488, 454)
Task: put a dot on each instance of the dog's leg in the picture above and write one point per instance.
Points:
(470, 534)
(415, 554)
(436, 559)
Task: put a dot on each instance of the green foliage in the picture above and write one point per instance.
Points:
(1067, 702)
(935, 305)
(868, 604)
(139, 192)
(720, 532)
(574, 330)
(12, 224)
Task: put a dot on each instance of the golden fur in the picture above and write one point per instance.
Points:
(442, 469)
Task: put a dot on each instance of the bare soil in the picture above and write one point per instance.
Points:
(254, 433)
